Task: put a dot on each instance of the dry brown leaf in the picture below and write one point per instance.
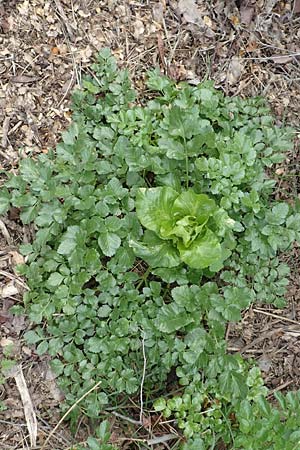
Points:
(6, 342)
(251, 46)
(158, 12)
(139, 29)
(18, 324)
(24, 79)
(234, 20)
(5, 317)
(9, 290)
(190, 12)
(234, 70)
(296, 6)
(265, 363)
(246, 13)
(54, 390)
(17, 258)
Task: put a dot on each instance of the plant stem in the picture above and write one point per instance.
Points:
(186, 164)
(144, 278)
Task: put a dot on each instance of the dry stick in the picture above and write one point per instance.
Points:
(279, 388)
(276, 316)
(128, 419)
(69, 87)
(162, 439)
(266, 58)
(15, 127)
(68, 412)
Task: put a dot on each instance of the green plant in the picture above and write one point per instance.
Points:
(100, 441)
(125, 212)
(6, 365)
(184, 227)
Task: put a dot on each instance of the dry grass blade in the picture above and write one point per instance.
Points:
(276, 316)
(29, 413)
(161, 439)
(67, 413)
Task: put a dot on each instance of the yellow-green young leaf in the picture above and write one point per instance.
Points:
(153, 208)
(203, 252)
(199, 206)
(160, 404)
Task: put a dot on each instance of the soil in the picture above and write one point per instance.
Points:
(247, 47)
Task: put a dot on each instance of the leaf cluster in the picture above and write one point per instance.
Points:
(184, 227)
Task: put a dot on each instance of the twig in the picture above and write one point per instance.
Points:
(266, 58)
(128, 419)
(161, 51)
(161, 439)
(69, 87)
(68, 412)
(143, 378)
(15, 127)
(276, 316)
(279, 388)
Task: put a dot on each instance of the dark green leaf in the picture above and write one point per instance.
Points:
(109, 243)
(172, 318)
(4, 200)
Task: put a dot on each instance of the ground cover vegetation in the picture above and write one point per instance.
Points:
(155, 226)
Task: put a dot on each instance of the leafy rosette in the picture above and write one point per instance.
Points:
(186, 227)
